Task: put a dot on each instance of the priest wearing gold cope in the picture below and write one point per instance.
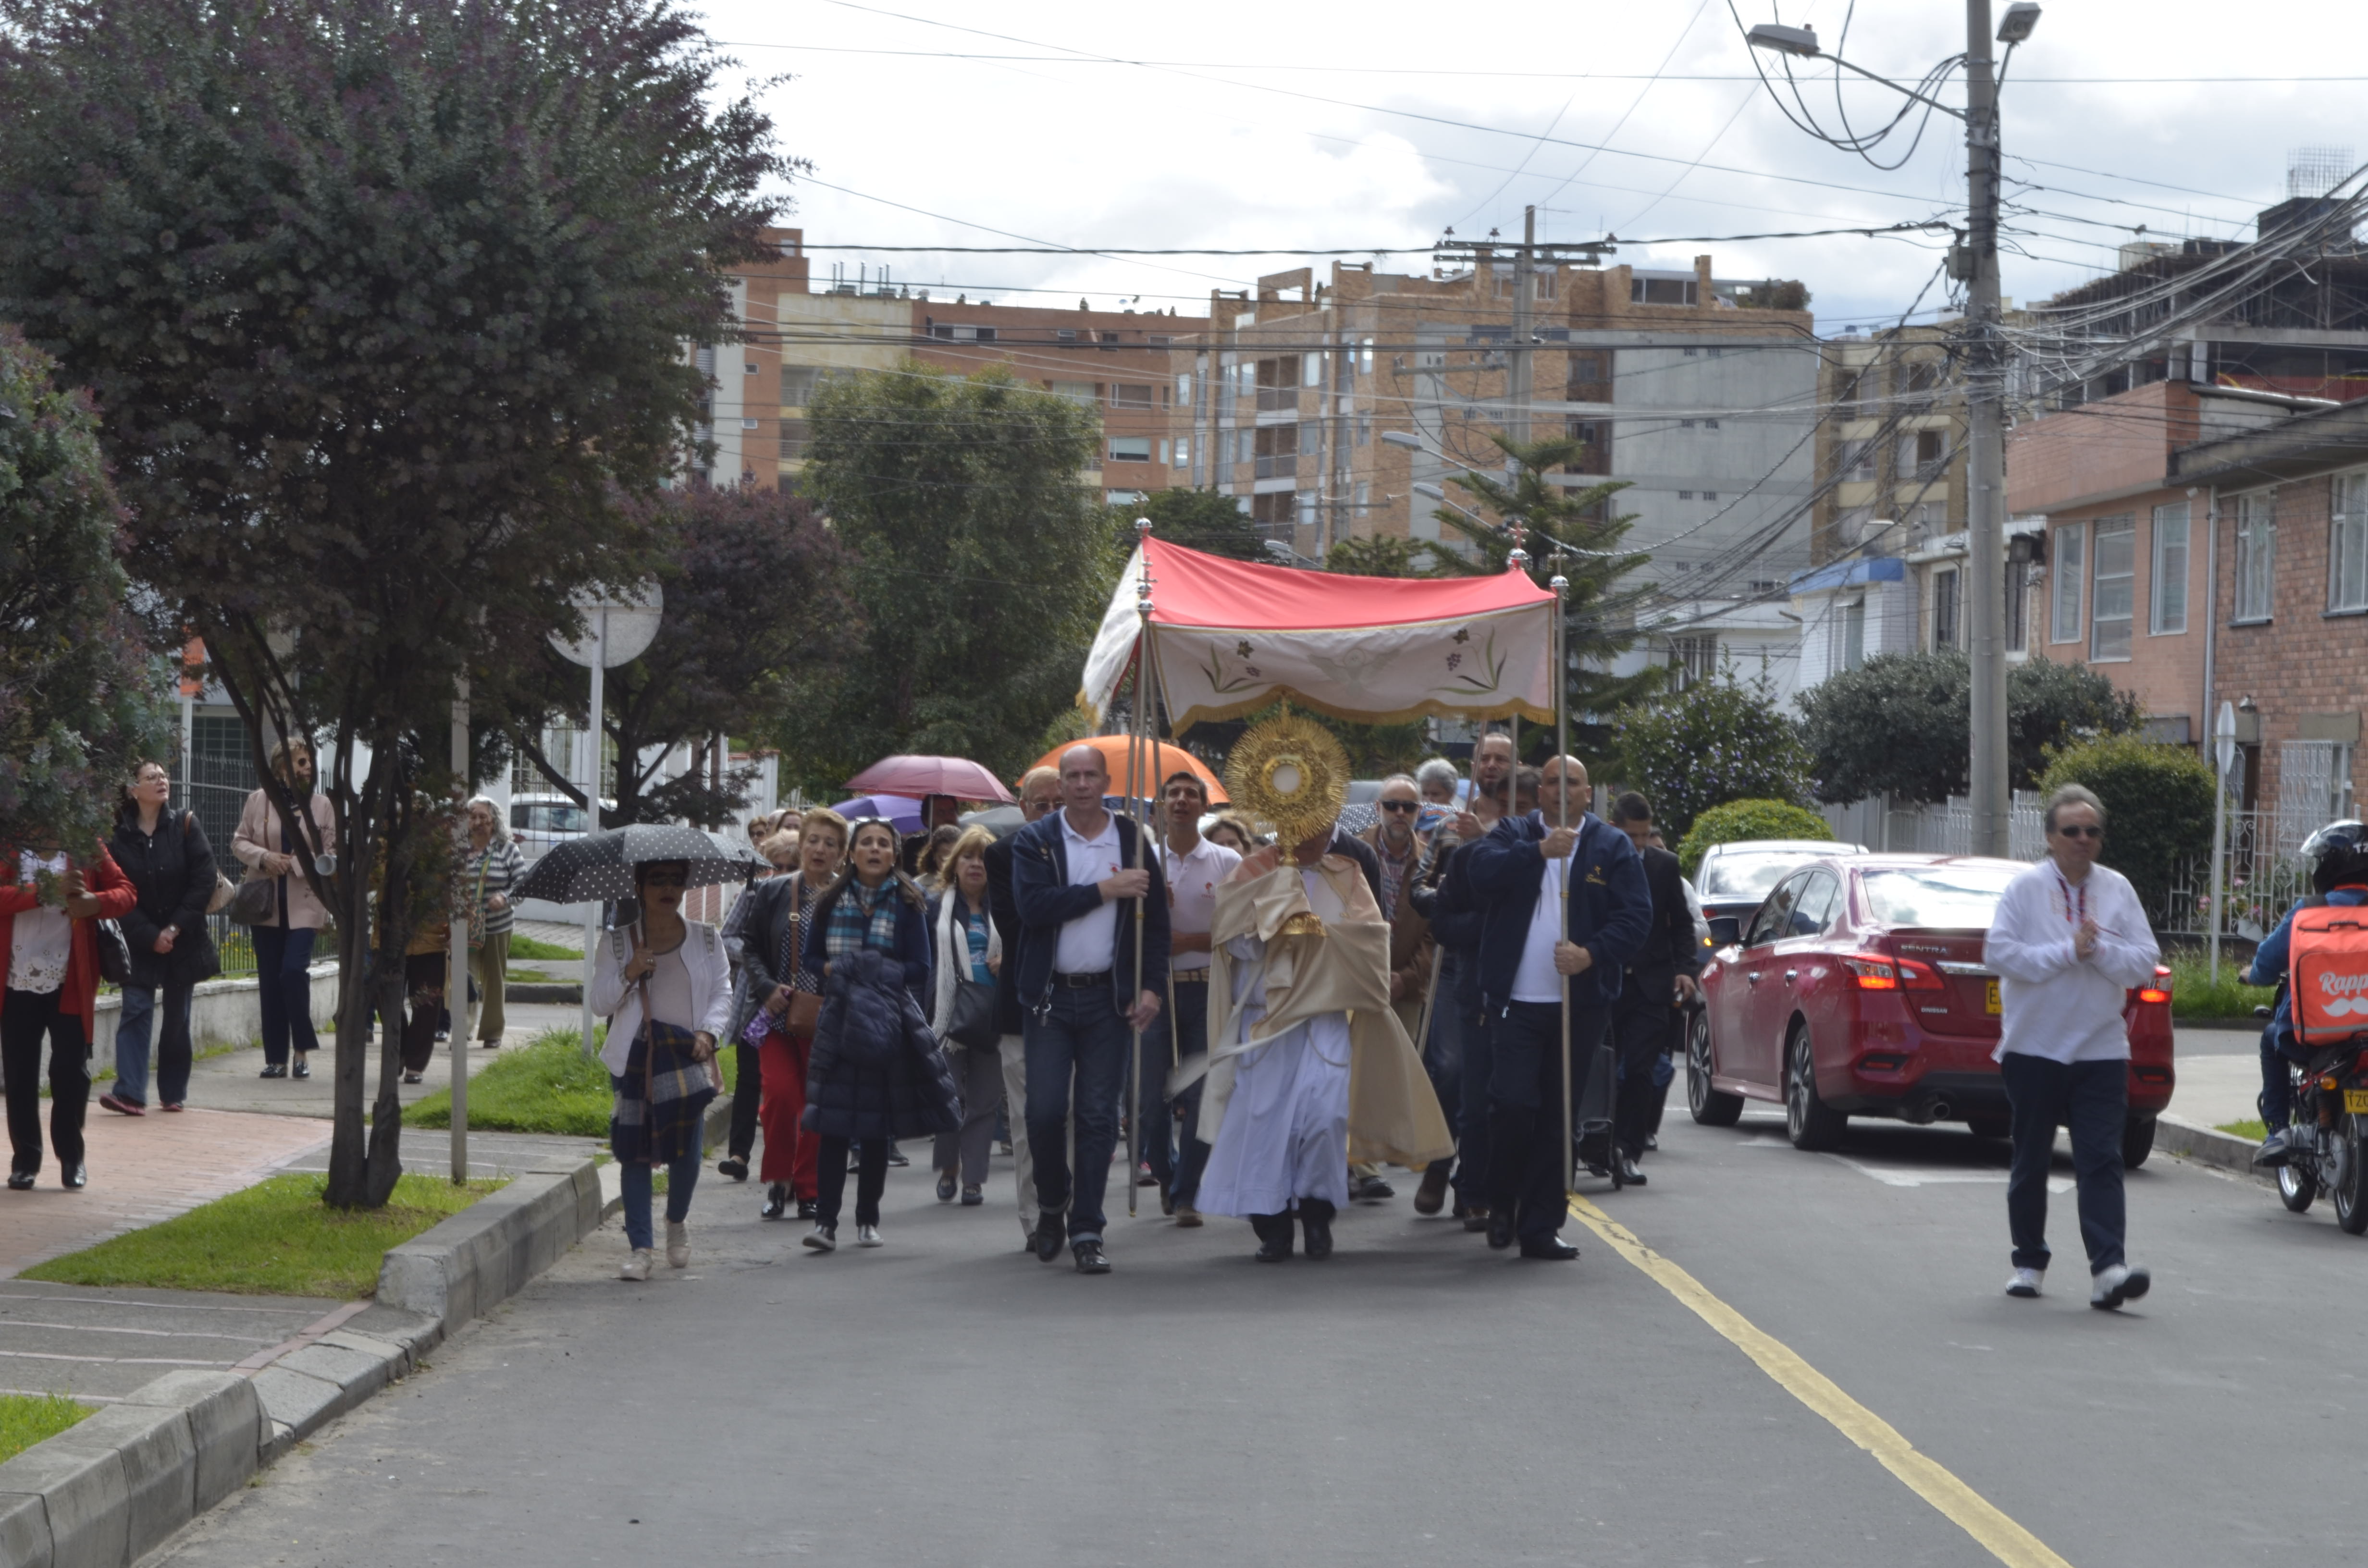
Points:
(1308, 1067)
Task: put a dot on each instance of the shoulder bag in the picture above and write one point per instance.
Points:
(973, 1024)
(114, 952)
(805, 1006)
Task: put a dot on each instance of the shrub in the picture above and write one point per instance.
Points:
(1740, 820)
(2157, 805)
(1719, 740)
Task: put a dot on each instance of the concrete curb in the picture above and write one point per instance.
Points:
(2209, 1146)
(553, 992)
(117, 1484)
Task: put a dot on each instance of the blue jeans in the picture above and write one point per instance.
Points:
(1443, 1054)
(1172, 1144)
(2091, 1100)
(2277, 1085)
(173, 1051)
(681, 1177)
(283, 993)
(1079, 1037)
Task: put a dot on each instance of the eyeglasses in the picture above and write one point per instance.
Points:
(2082, 830)
(1400, 805)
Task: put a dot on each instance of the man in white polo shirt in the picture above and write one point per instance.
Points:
(2068, 939)
(1193, 868)
(1079, 897)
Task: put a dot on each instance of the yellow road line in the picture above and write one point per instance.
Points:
(1960, 1504)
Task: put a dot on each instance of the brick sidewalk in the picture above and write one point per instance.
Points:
(146, 1169)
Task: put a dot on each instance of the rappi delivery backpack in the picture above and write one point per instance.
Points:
(2327, 972)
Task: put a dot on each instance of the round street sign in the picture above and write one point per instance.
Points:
(633, 620)
(2224, 739)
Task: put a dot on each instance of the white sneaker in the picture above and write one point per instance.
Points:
(868, 1237)
(2119, 1283)
(637, 1266)
(2025, 1283)
(678, 1245)
(823, 1238)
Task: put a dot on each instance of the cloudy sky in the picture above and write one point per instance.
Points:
(1288, 128)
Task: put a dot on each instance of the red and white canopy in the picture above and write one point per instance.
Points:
(1232, 637)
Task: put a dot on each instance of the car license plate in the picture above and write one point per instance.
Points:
(2356, 1101)
(1990, 996)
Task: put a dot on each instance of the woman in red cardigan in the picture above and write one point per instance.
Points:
(50, 948)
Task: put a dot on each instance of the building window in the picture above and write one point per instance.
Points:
(1925, 454)
(1275, 450)
(1086, 394)
(1686, 424)
(2167, 585)
(2314, 788)
(2018, 605)
(1365, 355)
(1854, 634)
(1685, 495)
(1947, 587)
(2346, 544)
(794, 435)
(1693, 659)
(2257, 554)
(1130, 394)
(1184, 453)
(1167, 451)
(1364, 429)
(1857, 461)
(1130, 448)
(2113, 590)
(1711, 423)
(1709, 494)
(2070, 561)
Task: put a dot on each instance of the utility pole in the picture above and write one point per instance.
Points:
(1524, 268)
(1985, 453)
(1481, 256)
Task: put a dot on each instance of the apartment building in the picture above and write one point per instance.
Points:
(1698, 391)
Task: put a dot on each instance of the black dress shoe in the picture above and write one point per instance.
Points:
(1629, 1175)
(1275, 1236)
(73, 1178)
(1315, 1219)
(1371, 1189)
(776, 1202)
(1091, 1259)
(1051, 1234)
(20, 1181)
(302, 1068)
(806, 1208)
(273, 1070)
(1552, 1249)
(1500, 1231)
(733, 1165)
(1475, 1219)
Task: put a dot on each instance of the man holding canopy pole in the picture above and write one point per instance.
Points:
(1567, 908)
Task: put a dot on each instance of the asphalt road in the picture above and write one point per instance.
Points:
(950, 1401)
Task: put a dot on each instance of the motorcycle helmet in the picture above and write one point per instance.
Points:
(2337, 856)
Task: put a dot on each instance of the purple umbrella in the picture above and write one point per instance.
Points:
(904, 813)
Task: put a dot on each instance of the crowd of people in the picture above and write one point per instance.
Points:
(976, 990)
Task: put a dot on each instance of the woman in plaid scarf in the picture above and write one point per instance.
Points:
(875, 1072)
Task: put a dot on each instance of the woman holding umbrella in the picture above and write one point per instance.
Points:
(665, 985)
(875, 1073)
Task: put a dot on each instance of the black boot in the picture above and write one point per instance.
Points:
(1315, 1217)
(1275, 1236)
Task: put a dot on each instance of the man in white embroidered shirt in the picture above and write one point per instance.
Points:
(2068, 941)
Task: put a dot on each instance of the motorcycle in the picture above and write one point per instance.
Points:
(2328, 1139)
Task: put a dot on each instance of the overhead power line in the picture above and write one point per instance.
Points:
(1869, 230)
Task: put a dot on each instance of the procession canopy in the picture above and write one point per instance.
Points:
(1231, 637)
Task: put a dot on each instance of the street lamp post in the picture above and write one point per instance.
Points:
(1977, 267)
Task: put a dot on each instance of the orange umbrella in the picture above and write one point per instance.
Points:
(1166, 758)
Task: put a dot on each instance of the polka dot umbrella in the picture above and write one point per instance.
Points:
(599, 866)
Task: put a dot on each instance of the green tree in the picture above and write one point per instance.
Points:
(1380, 555)
(983, 567)
(1197, 519)
(1899, 725)
(2157, 806)
(81, 695)
(385, 308)
(1739, 822)
(756, 605)
(1719, 740)
(1575, 530)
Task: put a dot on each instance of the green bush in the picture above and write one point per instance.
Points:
(1740, 820)
(1719, 740)
(2157, 805)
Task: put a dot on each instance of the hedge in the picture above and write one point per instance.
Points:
(1740, 820)
(2157, 806)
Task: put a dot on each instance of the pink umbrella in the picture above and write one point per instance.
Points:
(918, 775)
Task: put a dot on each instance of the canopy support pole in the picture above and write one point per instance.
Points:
(1140, 751)
(1561, 585)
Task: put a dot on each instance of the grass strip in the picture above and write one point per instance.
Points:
(28, 1419)
(2250, 1132)
(2193, 995)
(546, 1085)
(525, 946)
(276, 1238)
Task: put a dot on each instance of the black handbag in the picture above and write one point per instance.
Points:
(114, 952)
(974, 1023)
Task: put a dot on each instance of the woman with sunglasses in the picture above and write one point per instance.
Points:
(678, 967)
(875, 1072)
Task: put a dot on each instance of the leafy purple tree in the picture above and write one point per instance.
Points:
(384, 309)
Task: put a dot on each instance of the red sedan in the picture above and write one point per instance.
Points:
(1857, 989)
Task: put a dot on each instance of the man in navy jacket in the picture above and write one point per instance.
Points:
(1079, 894)
(1526, 974)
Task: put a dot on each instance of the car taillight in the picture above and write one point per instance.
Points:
(1873, 973)
(2160, 990)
